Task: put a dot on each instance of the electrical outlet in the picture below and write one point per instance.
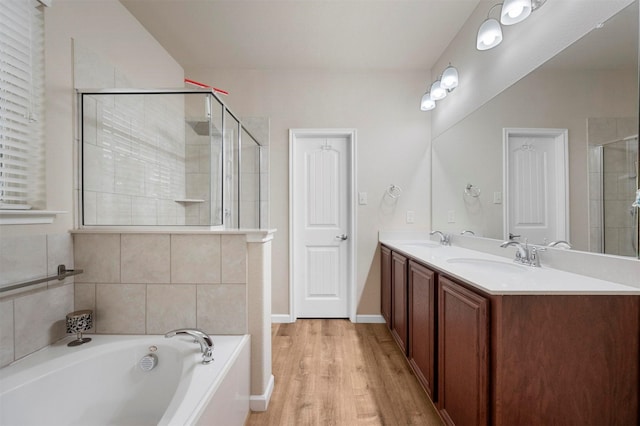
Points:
(411, 216)
(362, 198)
(451, 216)
(497, 197)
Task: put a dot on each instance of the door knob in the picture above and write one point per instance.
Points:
(342, 237)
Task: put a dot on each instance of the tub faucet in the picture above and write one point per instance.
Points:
(444, 238)
(203, 339)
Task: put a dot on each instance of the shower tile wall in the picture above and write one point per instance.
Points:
(152, 283)
(611, 189)
(198, 177)
(134, 150)
(33, 318)
(260, 129)
(134, 160)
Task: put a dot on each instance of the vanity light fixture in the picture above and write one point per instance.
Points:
(514, 11)
(440, 88)
(427, 104)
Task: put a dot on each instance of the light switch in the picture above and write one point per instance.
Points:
(362, 198)
(411, 216)
(497, 197)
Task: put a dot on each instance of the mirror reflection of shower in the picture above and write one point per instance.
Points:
(614, 181)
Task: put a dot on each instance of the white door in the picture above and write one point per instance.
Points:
(321, 224)
(536, 192)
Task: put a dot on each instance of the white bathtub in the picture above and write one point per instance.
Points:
(101, 383)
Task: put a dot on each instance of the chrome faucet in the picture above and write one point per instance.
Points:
(563, 242)
(444, 238)
(202, 338)
(525, 255)
(522, 253)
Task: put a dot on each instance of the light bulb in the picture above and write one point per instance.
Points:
(449, 79)
(427, 104)
(489, 34)
(437, 91)
(514, 11)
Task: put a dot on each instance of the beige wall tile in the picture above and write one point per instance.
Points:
(170, 307)
(85, 298)
(6, 332)
(99, 256)
(146, 258)
(222, 308)
(120, 308)
(40, 318)
(22, 258)
(195, 259)
(59, 251)
(234, 259)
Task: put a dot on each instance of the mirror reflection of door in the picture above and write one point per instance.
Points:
(535, 164)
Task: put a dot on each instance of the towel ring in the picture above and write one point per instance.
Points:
(394, 191)
(472, 191)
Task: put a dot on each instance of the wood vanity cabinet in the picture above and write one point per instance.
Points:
(463, 359)
(385, 284)
(516, 359)
(399, 290)
(422, 320)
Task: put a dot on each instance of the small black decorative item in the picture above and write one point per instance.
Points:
(77, 322)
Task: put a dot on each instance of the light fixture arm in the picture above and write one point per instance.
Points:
(491, 9)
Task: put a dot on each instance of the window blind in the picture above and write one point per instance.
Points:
(21, 104)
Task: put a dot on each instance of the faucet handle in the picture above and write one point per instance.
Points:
(535, 257)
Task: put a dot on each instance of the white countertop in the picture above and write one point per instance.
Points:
(500, 276)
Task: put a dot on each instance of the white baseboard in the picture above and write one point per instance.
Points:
(374, 319)
(280, 318)
(261, 402)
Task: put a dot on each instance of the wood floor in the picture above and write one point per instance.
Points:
(334, 372)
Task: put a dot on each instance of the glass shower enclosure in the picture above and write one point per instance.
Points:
(166, 158)
(614, 174)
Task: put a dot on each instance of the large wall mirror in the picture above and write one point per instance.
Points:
(576, 115)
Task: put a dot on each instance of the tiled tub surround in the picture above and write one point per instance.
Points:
(149, 282)
(33, 317)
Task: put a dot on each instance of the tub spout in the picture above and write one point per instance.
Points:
(203, 339)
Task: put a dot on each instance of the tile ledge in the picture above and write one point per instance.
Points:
(28, 217)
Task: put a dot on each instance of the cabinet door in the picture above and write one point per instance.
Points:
(385, 284)
(463, 341)
(399, 315)
(422, 325)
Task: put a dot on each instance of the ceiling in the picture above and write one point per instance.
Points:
(346, 35)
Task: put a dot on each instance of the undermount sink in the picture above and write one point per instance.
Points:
(488, 265)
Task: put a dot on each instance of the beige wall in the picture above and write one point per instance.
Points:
(392, 142)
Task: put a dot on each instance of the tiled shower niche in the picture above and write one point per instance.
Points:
(166, 158)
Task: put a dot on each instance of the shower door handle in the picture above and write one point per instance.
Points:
(342, 237)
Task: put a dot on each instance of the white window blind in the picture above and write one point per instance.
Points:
(21, 104)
